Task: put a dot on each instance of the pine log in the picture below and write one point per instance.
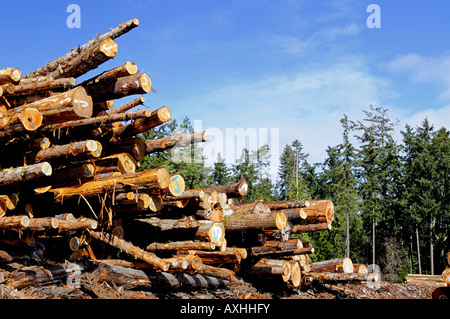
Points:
(274, 252)
(63, 83)
(157, 117)
(134, 146)
(31, 120)
(123, 163)
(250, 208)
(98, 121)
(255, 221)
(277, 205)
(327, 276)
(64, 151)
(162, 144)
(298, 229)
(128, 68)
(116, 88)
(132, 250)
(321, 211)
(35, 80)
(241, 251)
(212, 214)
(294, 243)
(9, 75)
(77, 224)
(235, 190)
(24, 174)
(65, 106)
(113, 34)
(293, 214)
(157, 178)
(14, 222)
(271, 267)
(211, 231)
(218, 272)
(215, 257)
(41, 143)
(197, 194)
(181, 245)
(343, 264)
(186, 262)
(41, 275)
(85, 61)
(127, 106)
(176, 185)
(42, 223)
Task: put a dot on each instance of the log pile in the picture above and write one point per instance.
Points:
(70, 189)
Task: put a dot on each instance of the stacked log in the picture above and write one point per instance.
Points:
(69, 181)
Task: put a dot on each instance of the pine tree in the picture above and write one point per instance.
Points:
(220, 174)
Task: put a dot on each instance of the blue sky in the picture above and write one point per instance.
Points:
(292, 68)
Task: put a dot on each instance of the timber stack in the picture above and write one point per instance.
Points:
(70, 190)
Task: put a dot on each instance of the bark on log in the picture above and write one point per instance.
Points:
(127, 106)
(24, 174)
(181, 245)
(280, 245)
(9, 75)
(276, 205)
(218, 272)
(66, 106)
(134, 146)
(255, 221)
(343, 264)
(250, 208)
(117, 88)
(157, 178)
(128, 68)
(99, 121)
(113, 34)
(215, 257)
(25, 120)
(235, 190)
(162, 144)
(63, 83)
(157, 117)
(42, 223)
(14, 222)
(298, 229)
(328, 276)
(132, 250)
(271, 252)
(64, 151)
(77, 224)
(88, 60)
(360, 268)
(271, 267)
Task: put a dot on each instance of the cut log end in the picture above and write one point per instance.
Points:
(176, 185)
(164, 114)
(82, 103)
(146, 82)
(280, 220)
(31, 119)
(46, 168)
(109, 47)
(217, 234)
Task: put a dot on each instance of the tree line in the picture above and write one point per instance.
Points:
(392, 199)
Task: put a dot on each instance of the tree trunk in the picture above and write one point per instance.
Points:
(61, 84)
(333, 265)
(71, 150)
(123, 163)
(275, 252)
(181, 245)
(128, 68)
(271, 267)
(21, 122)
(162, 144)
(218, 272)
(130, 249)
(117, 88)
(24, 174)
(320, 211)
(77, 224)
(9, 75)
(113, 34)
(157, 117)
(327, 276)
(88, 60)
(127, 106)
(276, 205)
(235, 190)
(255, 221)
(14, 222)
(298, 229)
(215, 257)
(157, 178)
(42, 223)
(62, 107)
